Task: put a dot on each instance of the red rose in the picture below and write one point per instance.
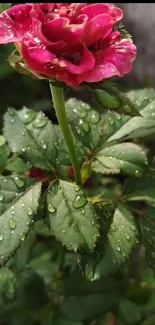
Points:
(70, 42)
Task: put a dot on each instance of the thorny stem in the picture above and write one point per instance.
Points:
(59, 105)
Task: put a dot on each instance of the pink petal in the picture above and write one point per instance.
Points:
(93, 10)
(121, 55)
(37, 58)
(68, 78)
(115, 60)
(37, 30)
(61, 29)
(85, 63)
(98, 28)
(99, 73)
(14, 23)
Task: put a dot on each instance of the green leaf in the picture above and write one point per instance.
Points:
(14, 228)
(142, 189)
(43, 264)
(4, 152)
(16, 165)
(4, 6)
(32, 136)
(72, 218)
(16, 316)
(7, 285)
(149, 321)
(77, 285)
(86, 308)
(23, 253)
(11, 187)
(118, 246)
(85, 122)
(147, 227)
(129, 312)
(31, 291)
(127, 157)
(65, 321)
(120, 128)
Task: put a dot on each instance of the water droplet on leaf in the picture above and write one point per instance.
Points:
(79, 201)
(128, 109)
(11, 111)
(22, 236)
(138, 173)
(133, 228)
(95, 117)
(127, 237)
(51, 208)
(40, 122)
(84, 125)
(111, 121)
(64, 231)
(1, 237)
(19, 181)
(29, 116)
(12, 224)
(77, 188)
(1, 197)
(118, 248)
(29, 211)
(43, 144)
(69, 221)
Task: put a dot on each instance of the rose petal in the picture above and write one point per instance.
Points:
(14, 23)
(36, 58)
(121, 55)
(116, 60)
(97, 28)
(61, 29)
(85, 63)
(99, 73)
(67, 77)
(96, 9)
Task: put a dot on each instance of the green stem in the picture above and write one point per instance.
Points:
(59, 105)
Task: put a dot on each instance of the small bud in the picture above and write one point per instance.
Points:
(108, 99)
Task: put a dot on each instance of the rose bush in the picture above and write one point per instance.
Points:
(69, 42)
